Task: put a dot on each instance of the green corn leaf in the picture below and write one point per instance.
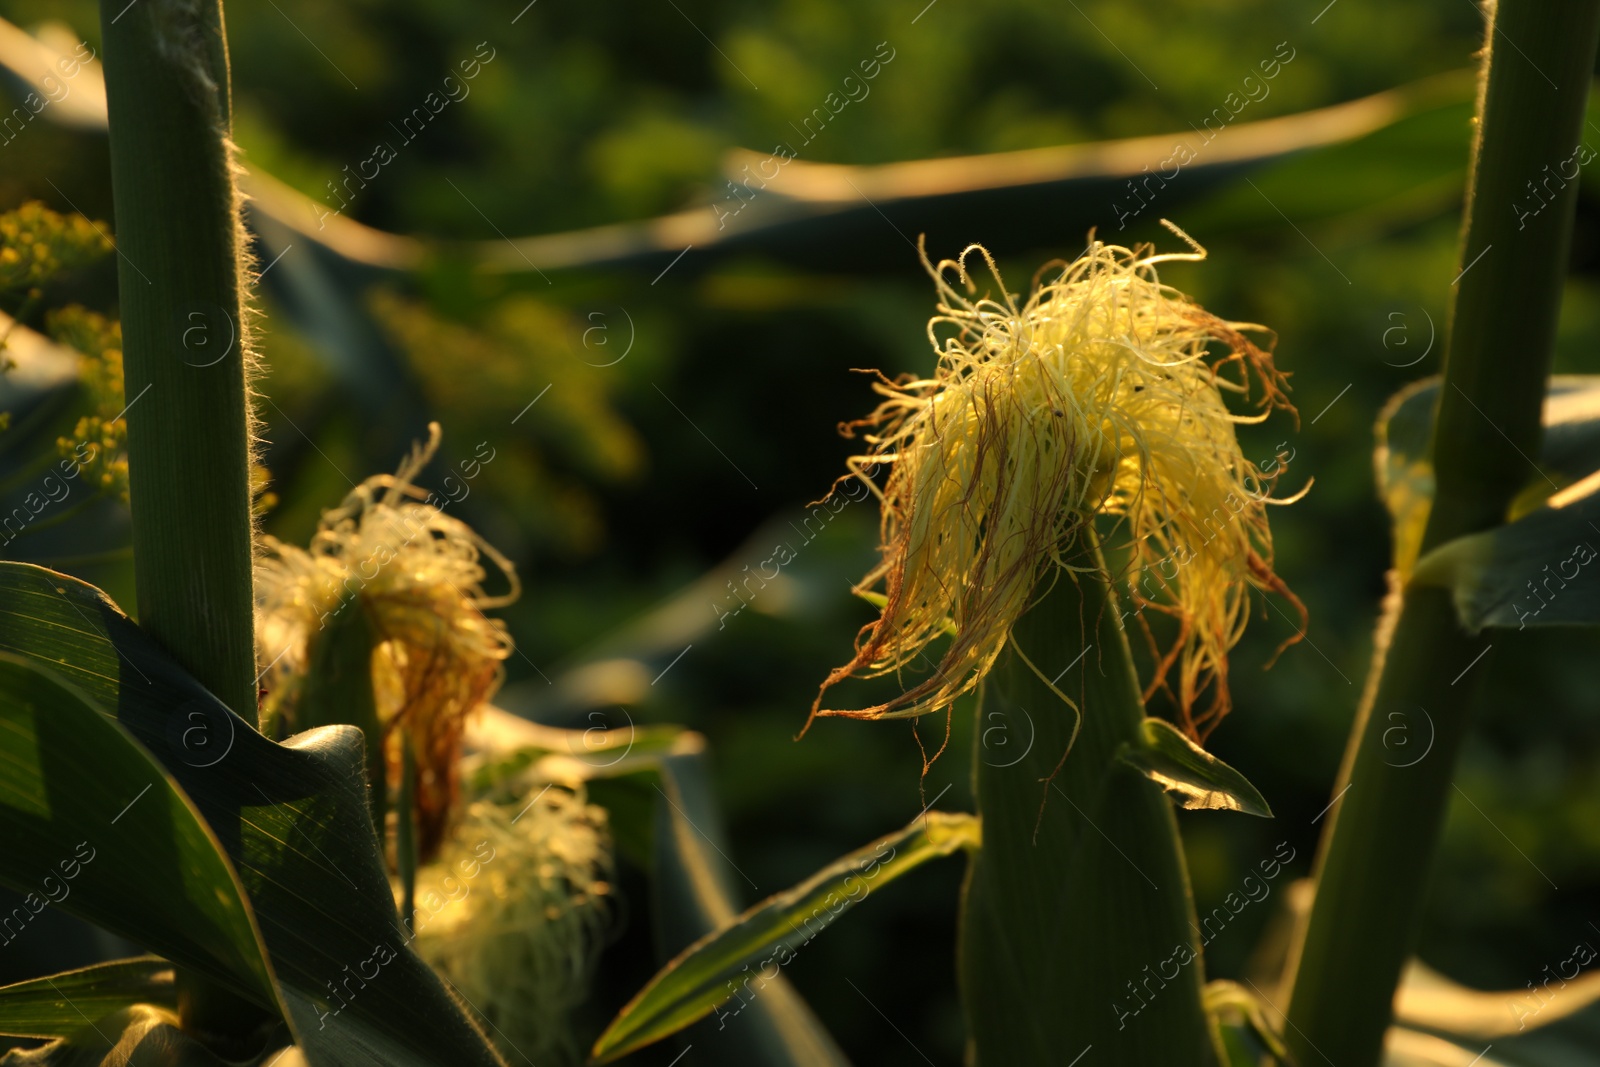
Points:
(503, 745)
(1569, 451)
(141, 1035)
(1404, 472)
(293, 818)
(95, 826)
(1411, 166)
(732, 962)
(1570, 1001)
(694, 894)
(1536, 571)
(56, 1006)
(1570, 1044)
(1191, 776)
(1401, 153)
(1440, 1023)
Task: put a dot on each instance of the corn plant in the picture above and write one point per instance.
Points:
(285, 781)
(1077, 440)
(357, 892)
(142, 794)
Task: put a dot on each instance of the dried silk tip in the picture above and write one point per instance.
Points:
(1100, 396)
(417, 576)
(515, 914)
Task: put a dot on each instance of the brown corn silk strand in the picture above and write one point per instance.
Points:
(1099, 396)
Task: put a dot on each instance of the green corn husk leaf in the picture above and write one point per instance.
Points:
(1079, 892)
(338, 689)
(1193, 777)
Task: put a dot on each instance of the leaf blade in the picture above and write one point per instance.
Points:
(697, 981)
(694, 895)
(1517, 574)
(1569, 450)
(293, 818)
(69, 771)
(55, 1006)
(1193, 777)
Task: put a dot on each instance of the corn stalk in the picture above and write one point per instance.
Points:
(1379, 843)
(181, 254)
(180, 283)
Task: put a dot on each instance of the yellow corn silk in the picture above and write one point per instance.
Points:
(417, 575)
(1102, 395)
(515, 913)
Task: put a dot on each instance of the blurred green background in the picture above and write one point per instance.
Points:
(682, 419)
